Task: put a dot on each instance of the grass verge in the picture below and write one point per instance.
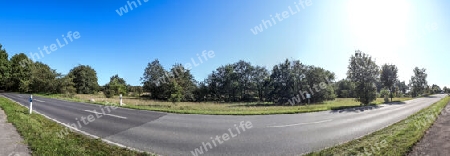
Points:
(40, 134)
(397, 139)
(211, 108)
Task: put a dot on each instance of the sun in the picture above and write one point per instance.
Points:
(378, 26)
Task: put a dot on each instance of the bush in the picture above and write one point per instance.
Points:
(384, 93)
(174, 98)
(109, 93)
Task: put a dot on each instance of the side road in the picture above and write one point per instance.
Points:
(11, 142)
(436, 141)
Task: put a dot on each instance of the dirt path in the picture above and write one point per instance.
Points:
(437, 139)
(11, 143)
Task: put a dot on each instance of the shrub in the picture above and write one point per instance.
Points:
(384, 93)
(109, 93)
(174, 98)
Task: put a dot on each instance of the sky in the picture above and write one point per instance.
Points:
(407, 33)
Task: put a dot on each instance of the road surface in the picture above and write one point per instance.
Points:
(182, 134)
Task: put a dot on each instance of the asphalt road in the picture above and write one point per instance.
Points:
(181, 134)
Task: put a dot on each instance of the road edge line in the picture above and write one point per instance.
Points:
(80, 131)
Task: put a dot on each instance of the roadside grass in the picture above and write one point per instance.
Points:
(40, 134)
(397, 139)
(211, 108)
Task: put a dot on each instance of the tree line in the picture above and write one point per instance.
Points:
(288, 82)
(237, 82)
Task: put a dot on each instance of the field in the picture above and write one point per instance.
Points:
(217, 108)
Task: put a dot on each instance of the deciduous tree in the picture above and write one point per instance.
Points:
(20, 76)
(389, 77)
(363, 71)
(5, 66)
(418, 82)
(85, 79)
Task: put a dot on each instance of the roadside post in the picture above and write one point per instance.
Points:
(31, 104)
(121, 100)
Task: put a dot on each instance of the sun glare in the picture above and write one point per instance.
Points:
(378, 27)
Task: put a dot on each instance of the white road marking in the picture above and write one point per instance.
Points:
(106, 114)
(38, 100)
(19, 96)
(317, 122)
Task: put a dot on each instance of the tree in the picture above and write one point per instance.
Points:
(291, 81)
(43, 79)
(175, 91)
(224, 83)
(185, 80)
(402, 87)
(201, 92)
(244, 73)
(436, 89)
(20, 76)
(345, 89)
(315, 76)
(85, 79)
(446, 90)
(282, 83)
(261, 79)
(418, 82)
(65, 85)
(116, 86)
(155, 80)
(389, 77)
(363, 71)
(4, 68)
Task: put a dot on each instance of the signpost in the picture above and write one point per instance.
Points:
(31, 104)
(308, 96)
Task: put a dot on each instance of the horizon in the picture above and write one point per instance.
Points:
(178, 32)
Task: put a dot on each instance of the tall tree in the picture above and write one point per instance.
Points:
(389, 77)
(20, 76)
(261, 79)
(43, 79)
(363, 71)
(291, 81)
(4, 68)
(155, 80)
(185, 81)
(282, 82)
(85, 79)
(418, 82)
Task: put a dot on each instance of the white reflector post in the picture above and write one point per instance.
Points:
(120, 99)
(31, 104)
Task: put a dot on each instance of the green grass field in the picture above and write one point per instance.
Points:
(41, 135)
(217, 108)
(397, 139)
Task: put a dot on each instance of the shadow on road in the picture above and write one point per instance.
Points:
(353, 109)
(395, 103)
(430, 96)
(255, 105)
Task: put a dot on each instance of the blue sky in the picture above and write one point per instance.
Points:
(407, 33)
